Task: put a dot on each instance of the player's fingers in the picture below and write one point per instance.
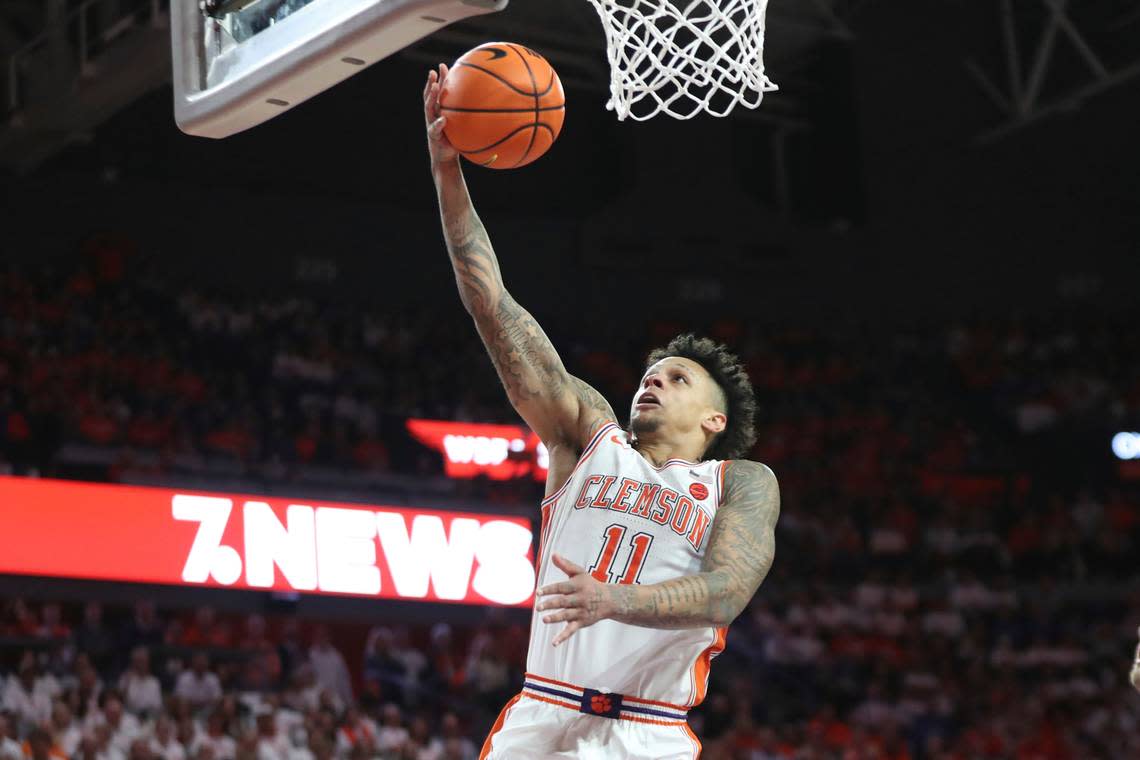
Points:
(560, 563)
(570, 568)
(562, 616)
(437, 126)
(430, 106)
(567, 566)
(428, 83)
(555, 602)
(562, 587)
(570, 629)
(443, 69)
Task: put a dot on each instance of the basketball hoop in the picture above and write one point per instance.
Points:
(684, 57)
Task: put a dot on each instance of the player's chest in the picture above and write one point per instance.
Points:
(675, 504)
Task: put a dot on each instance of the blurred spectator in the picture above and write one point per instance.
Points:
(215, 741)
(144, 628)
(10, 749)
(391, 735)
(382, 666)
(199, 686)
(84, 698)
(357, 733)
(40, 746)
(329, 667)
(95, 640)
(272, 744)
(65, 730)
(139, 687)
(450, 743)
(122, 728)
(28, 695)
(207, 631)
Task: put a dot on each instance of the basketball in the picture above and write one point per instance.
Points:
(504, 105)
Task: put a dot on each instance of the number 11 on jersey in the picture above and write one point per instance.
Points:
(603, 567)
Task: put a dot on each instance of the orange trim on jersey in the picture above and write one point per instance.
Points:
(586, 452)
(701, 668)
(498, 725)
(638, 700)
(546, 510)
(633, 718)
(700, 747)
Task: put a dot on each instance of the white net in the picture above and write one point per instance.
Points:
(684, 57)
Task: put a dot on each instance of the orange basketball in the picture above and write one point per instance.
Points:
(504, 105)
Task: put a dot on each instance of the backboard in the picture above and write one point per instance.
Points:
(238, 63)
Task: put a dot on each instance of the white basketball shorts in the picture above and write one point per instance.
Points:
(549, 719)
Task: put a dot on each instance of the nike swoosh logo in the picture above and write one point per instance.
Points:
(496, 53)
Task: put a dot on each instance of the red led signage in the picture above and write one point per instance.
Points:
(469, 449)
(156, 535)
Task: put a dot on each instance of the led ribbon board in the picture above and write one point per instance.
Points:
(185, 538)
(498, 452)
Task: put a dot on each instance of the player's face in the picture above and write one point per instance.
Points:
(675, 395)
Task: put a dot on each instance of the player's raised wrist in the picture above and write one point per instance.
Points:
(446, 172)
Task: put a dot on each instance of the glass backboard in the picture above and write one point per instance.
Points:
(238, 63)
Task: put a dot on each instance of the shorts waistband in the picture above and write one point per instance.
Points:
(603, 704)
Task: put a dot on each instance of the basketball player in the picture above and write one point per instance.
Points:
(654, 538)
(1134, 676)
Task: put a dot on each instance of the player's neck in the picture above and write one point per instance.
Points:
(659, 452)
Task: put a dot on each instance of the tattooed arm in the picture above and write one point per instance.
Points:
(741, 548)
(560, 408)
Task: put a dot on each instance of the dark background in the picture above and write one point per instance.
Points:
(892, 207)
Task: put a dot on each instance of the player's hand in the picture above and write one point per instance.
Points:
(441, 150)
(579, 602)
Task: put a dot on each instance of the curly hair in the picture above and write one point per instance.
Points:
(730, 376)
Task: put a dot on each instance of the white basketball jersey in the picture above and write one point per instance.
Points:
(626, 521)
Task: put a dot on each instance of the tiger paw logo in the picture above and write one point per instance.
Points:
(699, 491)
(600, 703)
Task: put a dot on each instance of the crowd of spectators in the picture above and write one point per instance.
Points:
(117, 684)
(883, 671)
(97, 354)
(956, 574)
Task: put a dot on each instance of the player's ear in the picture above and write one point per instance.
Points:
(714, 422)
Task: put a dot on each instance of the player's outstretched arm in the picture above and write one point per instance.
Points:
(741, 548)
(560, 408)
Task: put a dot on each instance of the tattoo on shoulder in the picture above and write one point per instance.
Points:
(751, 486)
